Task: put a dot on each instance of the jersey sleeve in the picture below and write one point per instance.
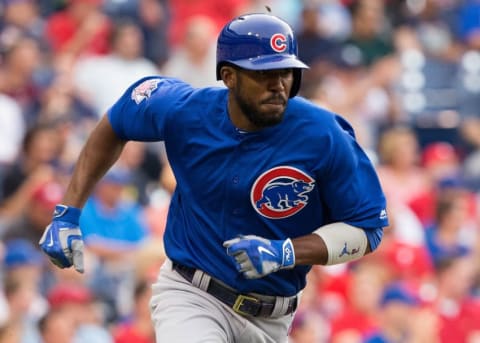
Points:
(350, 186)
(143, 111)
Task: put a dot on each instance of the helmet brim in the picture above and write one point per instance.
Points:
(270, 62)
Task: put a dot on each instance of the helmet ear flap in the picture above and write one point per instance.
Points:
(219, 66)
(297, 80)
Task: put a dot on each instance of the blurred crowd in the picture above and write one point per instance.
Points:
(405, 73)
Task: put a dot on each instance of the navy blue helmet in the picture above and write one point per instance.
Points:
(260, 42)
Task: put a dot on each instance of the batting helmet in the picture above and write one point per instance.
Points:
(260, 42)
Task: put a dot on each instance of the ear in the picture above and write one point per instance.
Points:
(228, 75)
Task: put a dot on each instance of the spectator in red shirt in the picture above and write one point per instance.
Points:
(364, 289)
(458, 309)
(220, 11)
(81, 28)
(442, 163)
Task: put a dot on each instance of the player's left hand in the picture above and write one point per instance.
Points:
(256, 257)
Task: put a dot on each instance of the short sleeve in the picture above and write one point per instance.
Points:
(143, 111)
(349, 184)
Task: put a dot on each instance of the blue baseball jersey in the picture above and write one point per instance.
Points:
(283, 181)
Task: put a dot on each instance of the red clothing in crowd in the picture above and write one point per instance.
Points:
(220, 11)
(406, 261)
(62, 28)
(130, 334)
(353, 320)
(459, 321)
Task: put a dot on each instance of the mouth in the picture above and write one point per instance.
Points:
(275, 101)
(273, 108)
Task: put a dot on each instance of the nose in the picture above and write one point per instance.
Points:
(277, 82)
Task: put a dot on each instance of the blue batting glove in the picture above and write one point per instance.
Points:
(256, 257)
(62, 240)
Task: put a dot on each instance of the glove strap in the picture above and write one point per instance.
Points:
(288, 254)
(67, 214)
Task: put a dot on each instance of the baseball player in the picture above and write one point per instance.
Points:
(268, 184)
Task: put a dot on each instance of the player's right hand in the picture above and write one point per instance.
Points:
(256, 257)
(62, 240)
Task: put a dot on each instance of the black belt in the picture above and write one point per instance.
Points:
(240, 303)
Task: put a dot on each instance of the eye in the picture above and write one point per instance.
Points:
(285, 72)
(262, 73)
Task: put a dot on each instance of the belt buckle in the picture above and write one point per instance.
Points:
(239, 302)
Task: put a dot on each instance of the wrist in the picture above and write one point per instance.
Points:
(288, 253)
(67, 214)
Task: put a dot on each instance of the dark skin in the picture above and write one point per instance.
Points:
(257, 99)
(263, 93)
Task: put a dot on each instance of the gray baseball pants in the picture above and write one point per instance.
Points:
(183, 313)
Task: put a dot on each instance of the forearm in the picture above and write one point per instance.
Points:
(312, 249)
(100, 152)
(330, 244)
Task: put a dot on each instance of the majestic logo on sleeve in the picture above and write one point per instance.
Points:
(281, 192)
(144, 90)
(278, 42)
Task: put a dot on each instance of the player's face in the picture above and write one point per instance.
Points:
(262, 95)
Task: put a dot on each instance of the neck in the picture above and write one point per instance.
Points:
(238, 118)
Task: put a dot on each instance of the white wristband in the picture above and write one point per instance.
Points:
(344, 242)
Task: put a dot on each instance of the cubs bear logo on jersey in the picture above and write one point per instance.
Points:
(281, 192)
(144, 90)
